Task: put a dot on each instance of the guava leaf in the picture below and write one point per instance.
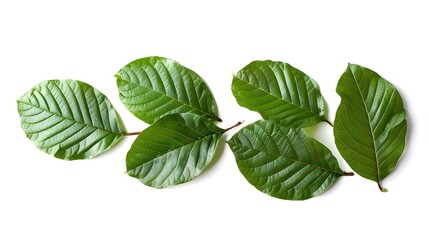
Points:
(69, 119)
(370, 124)
(173, 150)
(280, 93)
(153, 87)
(284, 162)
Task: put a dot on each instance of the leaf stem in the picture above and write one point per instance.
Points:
(235, 125)
(131, 133)
(381, 188)
(218, 119)
(328, 122)
(348, 173)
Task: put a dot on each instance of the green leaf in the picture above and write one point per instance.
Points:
(370, 124)
(153, 87)
(173, 150)
(69, 119)
(280, 93)
(284, 162)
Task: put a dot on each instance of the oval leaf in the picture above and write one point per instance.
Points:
(280, 93)
(69, 119)
(283, 162)
(153, 87)
(173, 150)
(370, 124)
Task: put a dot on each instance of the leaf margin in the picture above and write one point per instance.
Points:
(287, 69)
(210, 159)
(306, 138)
(82, 86)
(373, 78)
(211, 113)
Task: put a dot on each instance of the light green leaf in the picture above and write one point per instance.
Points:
(370, 124)
(153, 87)
(283, 162)
(173, 150)
(69, 119)
(280, 93)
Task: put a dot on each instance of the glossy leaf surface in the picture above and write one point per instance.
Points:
(283, 162)
(173, 150)
(69, 119)
(370, 124)
(280, 93)
(153, 87)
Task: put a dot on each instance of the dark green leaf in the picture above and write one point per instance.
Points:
(370, 124)
(173, 150)
(280, 93)
(283, 162)
(153, 87)
(69, 119)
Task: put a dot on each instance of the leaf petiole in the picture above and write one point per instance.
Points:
(137, 133)
(131, 133)
(235, 125)
(381, 188)
(218, 119)
(328, 122)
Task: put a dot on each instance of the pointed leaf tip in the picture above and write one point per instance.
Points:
(283, 162)
(370, 124)
(153, 87)
(280, 93)
(69, 119)
(174, 150)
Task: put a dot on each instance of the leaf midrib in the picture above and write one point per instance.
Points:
(172, 150)
(71, 119)
(370, 128)
(176, 100)
(294, 160)
(322, 117)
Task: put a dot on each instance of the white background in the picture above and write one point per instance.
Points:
(46, 198)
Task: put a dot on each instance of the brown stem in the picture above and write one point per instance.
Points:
(328, 122)
(131, 133)
(381, 188)
(237, 124)
(218, 119)
(348, 173)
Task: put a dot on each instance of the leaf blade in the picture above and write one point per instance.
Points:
(69, 119)
(180, 148)
(283, 162)
(280, 93)
(370, 124)
(153, 87)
